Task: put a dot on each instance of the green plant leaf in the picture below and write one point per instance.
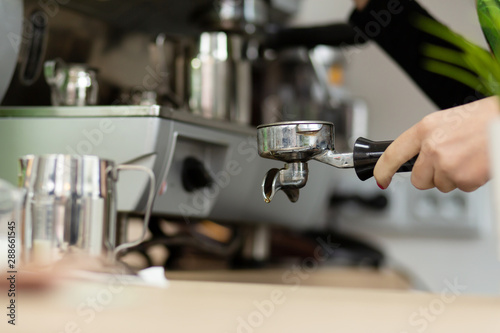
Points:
(458, 74)
(446, 55)
(470, 64)
(489, 16)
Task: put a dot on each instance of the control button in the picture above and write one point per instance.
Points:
(194, 175)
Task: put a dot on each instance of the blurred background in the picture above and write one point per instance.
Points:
(418, 236)
(183, 86)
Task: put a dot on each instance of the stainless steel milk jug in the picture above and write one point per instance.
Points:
(70, 206)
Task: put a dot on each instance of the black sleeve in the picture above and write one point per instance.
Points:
(389, 24)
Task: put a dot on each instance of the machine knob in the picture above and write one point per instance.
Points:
(194, 175)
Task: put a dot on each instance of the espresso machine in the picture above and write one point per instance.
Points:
(180, 90)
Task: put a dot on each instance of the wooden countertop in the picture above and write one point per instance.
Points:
(325, 277)
(194, 306)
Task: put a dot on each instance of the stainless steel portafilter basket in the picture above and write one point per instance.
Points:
(297, 142)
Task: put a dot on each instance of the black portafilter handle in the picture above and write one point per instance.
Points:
(366, 154)
(337, 34)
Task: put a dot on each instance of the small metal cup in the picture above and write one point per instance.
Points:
(71, 84)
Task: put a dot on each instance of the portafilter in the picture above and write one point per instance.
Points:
(297, 142)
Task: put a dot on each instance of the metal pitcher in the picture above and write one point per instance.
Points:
(220, 78)
(71, 84)
(70, 206)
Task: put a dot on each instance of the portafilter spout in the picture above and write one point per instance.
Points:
(289, 179)
(297, 142)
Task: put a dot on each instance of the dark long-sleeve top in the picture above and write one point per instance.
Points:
(390, 24)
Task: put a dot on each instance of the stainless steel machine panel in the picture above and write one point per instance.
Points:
(173, 196)
(161, 139)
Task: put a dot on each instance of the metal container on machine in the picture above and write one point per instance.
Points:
(220, 78)
(71, 84)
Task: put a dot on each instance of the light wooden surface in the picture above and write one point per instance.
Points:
(326, 277)
(193, 306)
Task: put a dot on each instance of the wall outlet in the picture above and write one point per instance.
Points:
(414, 212)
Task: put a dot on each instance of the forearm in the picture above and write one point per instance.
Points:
(389, 24)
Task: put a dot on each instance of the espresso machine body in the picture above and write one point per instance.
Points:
(163, 139)
(150, 109)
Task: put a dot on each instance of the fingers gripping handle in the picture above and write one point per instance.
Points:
(366, 154)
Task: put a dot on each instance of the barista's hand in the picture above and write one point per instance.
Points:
(452, 147)
(360, 4)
